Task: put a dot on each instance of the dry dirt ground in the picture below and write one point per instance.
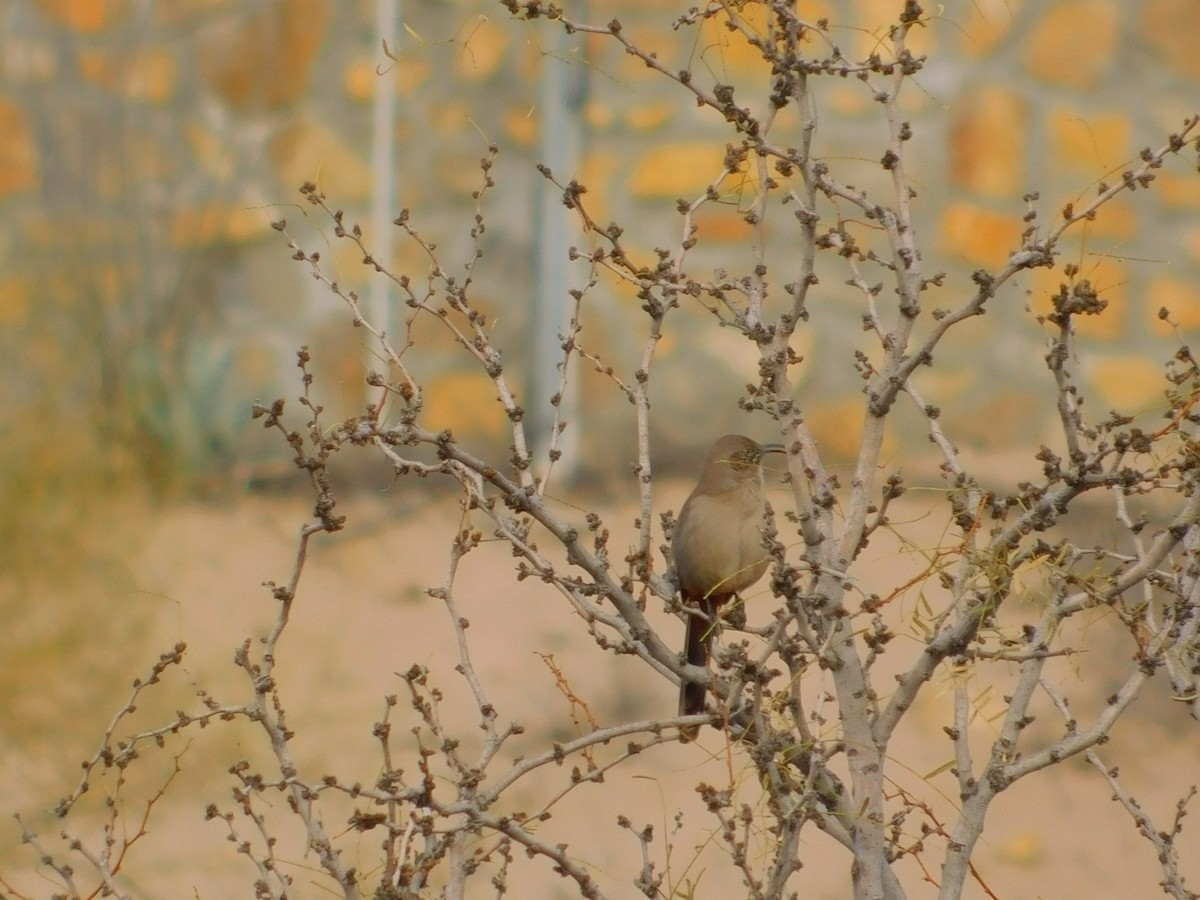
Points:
(194, 573)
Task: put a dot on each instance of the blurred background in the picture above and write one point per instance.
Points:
(145, 147)
(146, 304)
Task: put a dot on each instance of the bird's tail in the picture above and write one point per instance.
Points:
(696, 649)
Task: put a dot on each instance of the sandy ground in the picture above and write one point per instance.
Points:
(194, 573)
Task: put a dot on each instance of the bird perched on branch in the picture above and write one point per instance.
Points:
(718, 546)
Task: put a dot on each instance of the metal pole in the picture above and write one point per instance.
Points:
(383, 167)
(559, 100)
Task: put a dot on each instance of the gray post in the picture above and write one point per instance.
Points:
(560, 97)
(383, 172)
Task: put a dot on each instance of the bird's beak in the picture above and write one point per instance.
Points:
(764, 449)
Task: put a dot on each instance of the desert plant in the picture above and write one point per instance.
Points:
(811, 690)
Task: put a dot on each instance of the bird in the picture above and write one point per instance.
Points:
(717, 546)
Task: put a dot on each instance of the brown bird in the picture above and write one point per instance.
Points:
(718, 545)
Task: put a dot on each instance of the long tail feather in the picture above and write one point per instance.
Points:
(699, 636)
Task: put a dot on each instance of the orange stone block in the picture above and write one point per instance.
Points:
(1128, 384)
(1115, 219)
(944, 385)
(1171, 27)
(18, 157)
(84, 15)
(14, 301)
(1181, 299)
(451, 119)
(986, 23)
(215, 223)
(408, 73)
(483, 49)
(457, 172)
(1074, 43)
(150, 76)
(838, 428)
(344, 261)
(210, 151)
(979, 235)
(338, 363)
(875, 19)
(99, 68)
(812, 11)
(727, 52)
(677, 170)
(1095, 143)
(310, 151)
(848, 99)
(722, 223)
(264, 62)
(521, 126)
(650, 116)
(987, 142)
(596, 172)
(630, 68)
(1109, 279)
(875, 15)
(599, 114)
(411, 73)
(359, 79)
(465, 403)
(1178, 190)
(147, 75)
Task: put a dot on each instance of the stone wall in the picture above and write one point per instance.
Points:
(144, 148)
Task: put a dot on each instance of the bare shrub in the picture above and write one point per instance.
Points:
(811, 690)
